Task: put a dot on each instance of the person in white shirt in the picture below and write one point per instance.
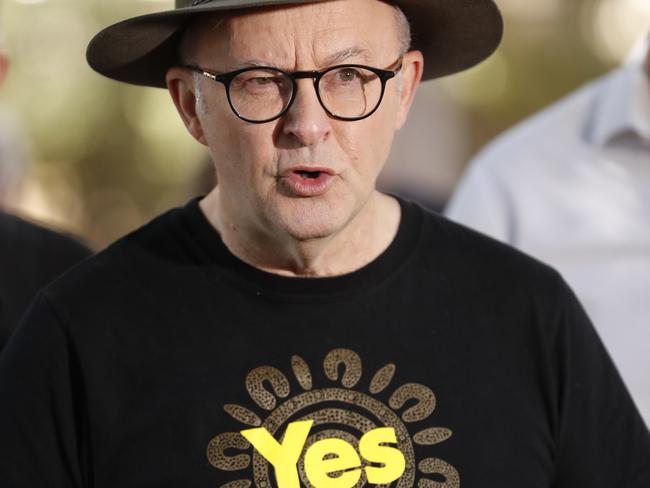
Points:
(571, 186)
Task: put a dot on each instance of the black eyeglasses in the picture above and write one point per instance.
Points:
(262, 94)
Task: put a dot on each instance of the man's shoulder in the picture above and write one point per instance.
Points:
(477, 257)
(31, 256)
(37, 249)
(19, 233)
(113, 271)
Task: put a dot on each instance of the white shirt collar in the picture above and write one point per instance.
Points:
(622, 105)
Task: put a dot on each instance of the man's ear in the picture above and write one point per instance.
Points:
(4, 65)
(180, 83)
(411, 73)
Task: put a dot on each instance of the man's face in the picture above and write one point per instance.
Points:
(260, 167)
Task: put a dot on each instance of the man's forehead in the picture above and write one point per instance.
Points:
(327, 32)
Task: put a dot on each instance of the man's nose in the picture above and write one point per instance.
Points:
(306, 119)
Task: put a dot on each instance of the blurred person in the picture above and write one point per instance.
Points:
(296, 326)
(571, 186)
(13, 153)
(30, 256)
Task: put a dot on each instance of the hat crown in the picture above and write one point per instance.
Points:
(453, 34)
(190, 3)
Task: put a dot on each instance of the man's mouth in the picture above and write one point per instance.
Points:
(304, 181)
(309, 174)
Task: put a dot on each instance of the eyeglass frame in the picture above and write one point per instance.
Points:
(226, 78)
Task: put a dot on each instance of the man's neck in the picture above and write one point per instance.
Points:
(362, 240)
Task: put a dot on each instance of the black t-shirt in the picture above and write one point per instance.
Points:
(450, 358)
(30, 257)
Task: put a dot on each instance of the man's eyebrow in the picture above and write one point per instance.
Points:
(336, 58)
(250, 63)
(345, 54)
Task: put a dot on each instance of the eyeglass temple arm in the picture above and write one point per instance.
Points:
(203, 72)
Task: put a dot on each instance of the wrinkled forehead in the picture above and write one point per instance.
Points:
(315, 33)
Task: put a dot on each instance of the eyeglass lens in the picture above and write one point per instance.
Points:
(346, 92)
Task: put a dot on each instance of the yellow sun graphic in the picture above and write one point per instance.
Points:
(336, 412)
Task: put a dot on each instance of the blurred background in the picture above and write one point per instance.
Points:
(98, 158)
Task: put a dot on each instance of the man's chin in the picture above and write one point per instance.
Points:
(308, 221)
(312, 231)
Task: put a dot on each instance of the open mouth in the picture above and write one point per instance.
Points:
(305, 181)
(311, 175)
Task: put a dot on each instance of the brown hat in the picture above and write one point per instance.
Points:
(453, 35)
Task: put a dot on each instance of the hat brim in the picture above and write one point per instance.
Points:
(453, 35)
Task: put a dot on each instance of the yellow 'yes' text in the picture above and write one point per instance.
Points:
(329, 456)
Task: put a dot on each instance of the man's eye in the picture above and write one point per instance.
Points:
(347, 75)
(266, 82)
(261, 80)
(258, 80)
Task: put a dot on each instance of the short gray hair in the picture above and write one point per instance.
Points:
(186, 50)
(403, 30)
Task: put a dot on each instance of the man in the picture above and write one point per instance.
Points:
(295, 327)
(30, 256)
(571, 186)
